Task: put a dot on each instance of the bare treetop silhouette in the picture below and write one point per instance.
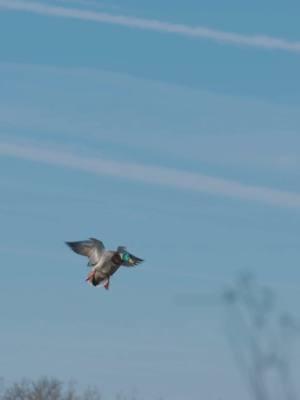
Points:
(261, 339)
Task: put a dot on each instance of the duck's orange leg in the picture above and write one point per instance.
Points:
(90, 276)
(106, 284)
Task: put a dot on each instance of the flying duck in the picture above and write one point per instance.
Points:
(103, 263)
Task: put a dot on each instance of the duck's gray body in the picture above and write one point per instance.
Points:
(104, 263)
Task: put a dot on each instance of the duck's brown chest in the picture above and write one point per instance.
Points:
(111, 265)
(116, 259)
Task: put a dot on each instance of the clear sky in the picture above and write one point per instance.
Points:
(171, 127)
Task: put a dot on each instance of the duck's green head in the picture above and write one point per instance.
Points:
(125, 256)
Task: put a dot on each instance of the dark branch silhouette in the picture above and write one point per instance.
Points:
(260, 338)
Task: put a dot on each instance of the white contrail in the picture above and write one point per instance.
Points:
(262, 41)
(154, 175)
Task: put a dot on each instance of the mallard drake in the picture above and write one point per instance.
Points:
(103, 263)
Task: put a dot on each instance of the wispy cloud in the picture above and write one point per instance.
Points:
(261, 41)
(88, 3)
(154, 175)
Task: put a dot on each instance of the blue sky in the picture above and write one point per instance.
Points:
(183, 148)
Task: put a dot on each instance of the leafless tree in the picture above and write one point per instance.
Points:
(53, 389)
(47, 389)
(260, 339)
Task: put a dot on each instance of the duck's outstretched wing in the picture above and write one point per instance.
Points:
(92, 248)
(132, 261)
